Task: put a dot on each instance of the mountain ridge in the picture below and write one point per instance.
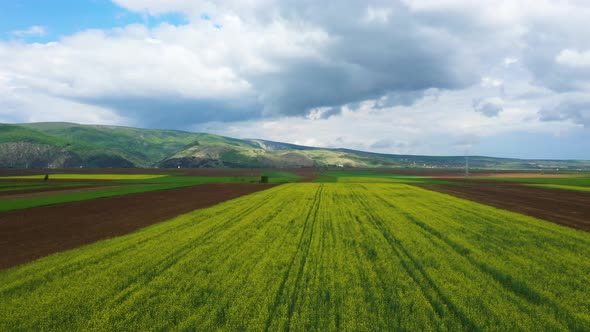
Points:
(65, 144)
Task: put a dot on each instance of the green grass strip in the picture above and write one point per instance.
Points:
(561, 187)
(88, 177)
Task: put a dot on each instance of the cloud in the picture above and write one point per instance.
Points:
(554, 50)
(377, 15)
(490, 108)
(287, 59)
(388, 144)
(324, 113)
(27, 106)
(576, 111)
(435, 125)
(488, 82)
(508, 61)
(573, 58)
(35, 30)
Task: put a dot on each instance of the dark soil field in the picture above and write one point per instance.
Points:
(32, 233)
(569, 208)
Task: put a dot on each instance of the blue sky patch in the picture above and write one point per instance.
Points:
(65, 17)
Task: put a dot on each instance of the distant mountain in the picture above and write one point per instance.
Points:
(67, 145)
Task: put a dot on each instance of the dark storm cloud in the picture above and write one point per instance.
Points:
(177, 112)
(405, 98)
(330, 112)
(397, 57)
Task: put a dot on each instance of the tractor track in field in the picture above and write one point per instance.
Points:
(315, 208)
(176, 258)
(511, 284)
(431, 291)
(300, 247)
(32, 233)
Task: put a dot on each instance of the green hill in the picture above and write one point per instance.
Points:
(65, 145)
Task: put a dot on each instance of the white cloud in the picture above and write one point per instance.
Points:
(120, 62)
(35, 30)
(377, 15)
(22, 105)
(508, 61)
(139, 71)
(489, 82)
(573, 58)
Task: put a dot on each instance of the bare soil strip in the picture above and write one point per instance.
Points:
(28, 234)
(568, 208)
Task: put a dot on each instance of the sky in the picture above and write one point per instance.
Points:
(431, 77)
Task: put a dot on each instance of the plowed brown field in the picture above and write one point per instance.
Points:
(569, 208)
(32, 233)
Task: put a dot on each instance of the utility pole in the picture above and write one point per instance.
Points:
(466, 165)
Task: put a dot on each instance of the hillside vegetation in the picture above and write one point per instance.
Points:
(68, 145)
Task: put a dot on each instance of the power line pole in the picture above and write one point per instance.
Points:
(466, 165)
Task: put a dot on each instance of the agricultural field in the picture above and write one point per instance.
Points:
(560, 197)
(376, 177)
(60, 176)
(316, 256)
(28, 234)
(564, 181)
(72, 208)
(95, 186)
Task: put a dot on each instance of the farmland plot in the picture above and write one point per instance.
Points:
(316, 257)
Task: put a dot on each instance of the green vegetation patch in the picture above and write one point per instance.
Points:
(128, 186)
(374, 177)
(88, 177)
(24, 203)
(359, 179)
(562, 187)
(576, 181)
(323, 257)
(281, 177)
(33, 185)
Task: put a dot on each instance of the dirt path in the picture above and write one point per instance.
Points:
(569, 208)
(32, 233)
